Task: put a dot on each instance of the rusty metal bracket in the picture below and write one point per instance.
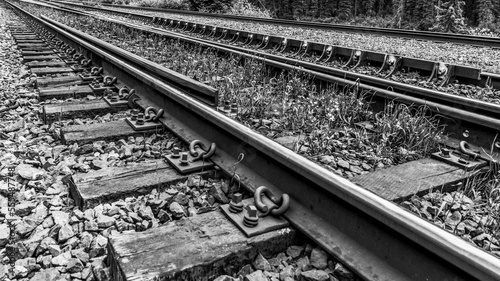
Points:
(328, 54)
(355, 58)
(277, 206)
(183, 163)
(283, 46)
(468, 161)
(235, 38)
(249, 219)
(120, 98)
(138, 122)
(199, 152)
(389, 61)
(448, 75)
(438, 70)
(152, 114)
(229, 109)
(395, 67)
(249, 40)
(197, 159)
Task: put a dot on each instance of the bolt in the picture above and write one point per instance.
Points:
(234, 108)
(114, 96)
(445, 153)
(176, 152)
(140, 119)
(236, 206)
(184, 158)
(251, 219)
(134, 114)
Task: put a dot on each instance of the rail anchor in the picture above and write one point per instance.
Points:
(196, 159)
(463, 157)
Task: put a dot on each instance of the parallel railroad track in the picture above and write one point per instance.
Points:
(481, 116)
(385, 243)
(415, 34)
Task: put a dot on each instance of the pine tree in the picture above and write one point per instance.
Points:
(485, 13)
(425, 13)
(410, 8)
(450, 17)
(399, 13)
(345, 9)
(368, 7)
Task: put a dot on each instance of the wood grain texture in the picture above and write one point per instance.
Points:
(37, 53)
(108, 131)
(416, 177)
(39, 58)
(60, 81)
(82, 109)
(196, 248)
(113, 183)
(64, 92)
(45, 63)
(50, 70)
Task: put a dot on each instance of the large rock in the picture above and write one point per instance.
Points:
(218, 194)
(74, 265)
(62, 259)
(314, 275)
(286, 272)
(49, 274)
(44, 245)
(260, 263)
(39, 213)
(29, 264)
(104, 221)
(225, 278)
(61, 218)
(256, 276)
(24, 208)
(17, 250)
(91, 226)
(4, 234)
(26, 226)
(343, 273)
(81, 255)
(65, 233)
(55, 250)
(3, 271)
(294, 251)
(319, 258)
(29, 172)
(177, 210)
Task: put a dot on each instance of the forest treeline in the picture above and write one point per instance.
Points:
(435, 15)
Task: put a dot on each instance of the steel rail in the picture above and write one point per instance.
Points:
(478, 106)
(373, 237)
(464, 73)
(412, 34)
(477, 112)
(203, 92)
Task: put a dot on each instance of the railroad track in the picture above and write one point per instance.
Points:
(348, 58)
(401, 238)
(472, 111)
(414, 34)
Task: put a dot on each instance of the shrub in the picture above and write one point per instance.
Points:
(213, 6)
(164, 4)
(245, 8)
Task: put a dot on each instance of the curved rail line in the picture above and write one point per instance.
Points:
(413, 34)
(374, 237)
